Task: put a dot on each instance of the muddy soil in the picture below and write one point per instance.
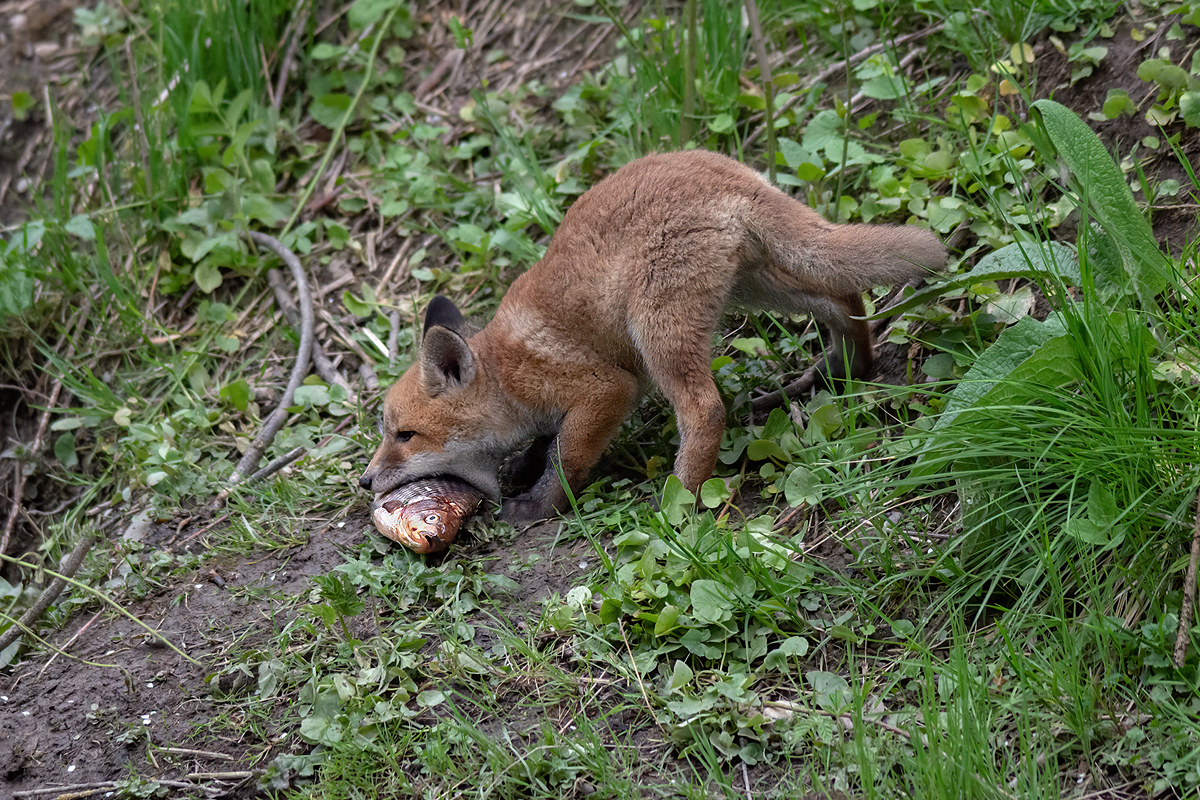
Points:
(118, 701)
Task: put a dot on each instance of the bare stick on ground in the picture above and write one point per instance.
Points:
(1188, 605)
(50, 593)
(299, 369)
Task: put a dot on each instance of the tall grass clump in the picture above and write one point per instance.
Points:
(683, 71)
(1071, 443)
(207, 38)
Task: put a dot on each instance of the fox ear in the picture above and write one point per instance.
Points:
(447, 363)
(442, 313)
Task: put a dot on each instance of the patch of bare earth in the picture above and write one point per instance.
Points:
(117, 701)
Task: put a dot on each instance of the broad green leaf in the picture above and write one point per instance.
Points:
(16, 290)
(831, 690)
(665, 622)
(207, 277)
(793, 646)
(1101, 504)
(205, 246)
(359, 308)
(22, 104)
(1189, 107)
(884, 87)
(314, 395)
(681, 675)
(802, 487)
(238, 393)
(64, 450)
(710, 601)
(675, 499)
(81, 226)
(368, 12)
(1118, 102)
(765, 450)
(778, 423)
(1029, 351)
(238, 106)
(1046, 263)
(1164, 73)
(721, 123)
(329, 109)
(1086, 531)
(1100, 184)
(714, 492)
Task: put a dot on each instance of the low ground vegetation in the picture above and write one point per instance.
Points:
(969, 577)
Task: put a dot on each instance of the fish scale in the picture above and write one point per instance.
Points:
(425, 515)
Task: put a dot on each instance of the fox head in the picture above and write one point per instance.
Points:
(440, 418)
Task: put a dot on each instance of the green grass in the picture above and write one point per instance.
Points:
(978, 594)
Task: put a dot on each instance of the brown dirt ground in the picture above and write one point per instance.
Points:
(120, 698)
(110, 706)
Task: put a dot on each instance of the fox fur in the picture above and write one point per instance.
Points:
(628, 297)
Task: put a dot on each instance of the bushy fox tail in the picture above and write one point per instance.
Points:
(863, 256)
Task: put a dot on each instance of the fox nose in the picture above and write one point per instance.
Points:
(365, 480)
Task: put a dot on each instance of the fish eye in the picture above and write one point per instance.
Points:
(431, 519)
(404, 436)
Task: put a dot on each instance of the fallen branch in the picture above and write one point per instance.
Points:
(184, 751)
(764, 74)
(320, 361)
(276, 465)
(74, 789)
(49, 594)
(1188, 605)
(274, 422)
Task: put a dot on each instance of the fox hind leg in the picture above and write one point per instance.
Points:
(680, 364)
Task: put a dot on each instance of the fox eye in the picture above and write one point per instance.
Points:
(404, 436)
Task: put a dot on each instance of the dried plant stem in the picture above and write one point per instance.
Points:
(368, 73)
(764, 69)
(289, 58)
(840, 66)
(56, 388)
(276, 465)
(49, 594)
(274, 422)
(1188, 605)
(320, 361)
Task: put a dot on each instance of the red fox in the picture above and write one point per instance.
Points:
(629, 294)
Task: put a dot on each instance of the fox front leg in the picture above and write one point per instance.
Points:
(586, 430)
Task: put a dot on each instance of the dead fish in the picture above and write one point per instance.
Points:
(425, 515)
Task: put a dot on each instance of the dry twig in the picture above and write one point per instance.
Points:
(321, 362)
(274, 422)
(1189, 594)
(50, 593)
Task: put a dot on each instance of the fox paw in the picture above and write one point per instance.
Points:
(525, 509)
